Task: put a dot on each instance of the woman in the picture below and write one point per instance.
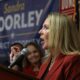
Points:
(33, 59)
(59, 36)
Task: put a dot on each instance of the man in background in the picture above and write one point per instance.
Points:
(15, 49)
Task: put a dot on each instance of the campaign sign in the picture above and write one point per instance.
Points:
(20, 21)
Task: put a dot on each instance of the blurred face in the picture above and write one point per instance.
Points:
(14, 52)
(33, 56)
(44, 32)
(14, 49)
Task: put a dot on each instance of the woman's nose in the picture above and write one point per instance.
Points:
(40, 31)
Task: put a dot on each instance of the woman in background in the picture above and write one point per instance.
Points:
(33, 59)
(59, 36)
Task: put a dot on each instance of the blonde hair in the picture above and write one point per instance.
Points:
(63, 33)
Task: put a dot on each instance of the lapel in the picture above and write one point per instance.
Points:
(44, 67)
(55, 66)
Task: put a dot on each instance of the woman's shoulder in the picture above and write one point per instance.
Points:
(72, 58)
(73, 55)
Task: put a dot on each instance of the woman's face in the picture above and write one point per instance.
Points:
(44, 32)
(33, 56)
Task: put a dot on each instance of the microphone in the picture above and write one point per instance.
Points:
(19, 58)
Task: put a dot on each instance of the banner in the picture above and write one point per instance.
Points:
(68, 7)
(20, 21)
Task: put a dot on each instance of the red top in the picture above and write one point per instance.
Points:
(65, 67)
(28, 70)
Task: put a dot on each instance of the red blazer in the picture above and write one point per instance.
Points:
(28, 71)
(65, 67)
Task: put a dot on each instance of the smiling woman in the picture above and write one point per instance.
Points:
(33, 59)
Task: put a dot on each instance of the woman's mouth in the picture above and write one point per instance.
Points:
(42, 41)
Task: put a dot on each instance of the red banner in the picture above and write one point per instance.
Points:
(67, 7)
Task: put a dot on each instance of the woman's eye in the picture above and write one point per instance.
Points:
(45, 27)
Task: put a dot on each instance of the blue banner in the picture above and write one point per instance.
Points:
(20, 20)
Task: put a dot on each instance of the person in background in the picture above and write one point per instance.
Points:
(33, 59)
(59, 35)
(15, 49)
